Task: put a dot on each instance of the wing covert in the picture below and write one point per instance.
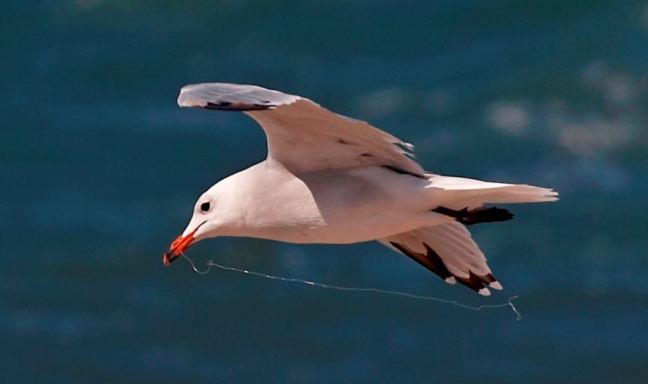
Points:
(301, 134)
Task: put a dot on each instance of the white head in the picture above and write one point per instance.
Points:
(210, 218)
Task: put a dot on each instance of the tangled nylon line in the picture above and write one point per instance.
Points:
(211, 264)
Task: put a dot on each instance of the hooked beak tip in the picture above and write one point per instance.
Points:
(168, 258)
(179, 245)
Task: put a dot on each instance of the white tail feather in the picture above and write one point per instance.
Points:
(471, 193)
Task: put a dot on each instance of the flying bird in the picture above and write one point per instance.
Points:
(335, 180)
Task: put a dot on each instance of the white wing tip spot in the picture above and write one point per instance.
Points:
(496, 285)
(484, 292)
(451, 280)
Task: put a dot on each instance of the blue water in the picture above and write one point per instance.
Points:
(100, 170)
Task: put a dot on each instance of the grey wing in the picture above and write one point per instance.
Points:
(301, 134)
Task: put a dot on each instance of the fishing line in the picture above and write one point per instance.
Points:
(211, 264)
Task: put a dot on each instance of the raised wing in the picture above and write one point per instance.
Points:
(301, 134)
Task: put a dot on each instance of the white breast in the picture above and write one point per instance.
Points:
(332, 206)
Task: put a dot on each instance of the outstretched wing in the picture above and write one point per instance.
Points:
(449, 251)
(301, 134)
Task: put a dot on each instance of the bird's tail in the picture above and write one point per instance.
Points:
(458, 193)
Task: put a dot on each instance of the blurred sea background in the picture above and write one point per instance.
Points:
(101, 169)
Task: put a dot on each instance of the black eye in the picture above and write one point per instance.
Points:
(204, 207)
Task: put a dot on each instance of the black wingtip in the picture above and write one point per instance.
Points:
(478, 215)
(491, 214)
(433, 262)
(237, 107)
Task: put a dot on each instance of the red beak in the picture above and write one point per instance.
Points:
(179, 245)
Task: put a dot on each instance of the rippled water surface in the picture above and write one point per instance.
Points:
(100, 170)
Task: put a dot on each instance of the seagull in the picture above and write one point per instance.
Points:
(331, 179)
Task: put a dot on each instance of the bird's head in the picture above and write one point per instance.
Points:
(205, 222)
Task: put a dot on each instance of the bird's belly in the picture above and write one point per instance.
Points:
(335, 208)
(349, 229)
(353, 231)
